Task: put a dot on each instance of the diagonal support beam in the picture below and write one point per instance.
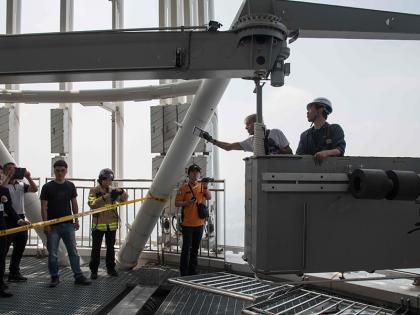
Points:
(181, 149)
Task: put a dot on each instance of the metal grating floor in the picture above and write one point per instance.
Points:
(183, 301)
(232, 285)
(35, 297)
(272, 298)
(304, 302)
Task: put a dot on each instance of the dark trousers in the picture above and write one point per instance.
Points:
(95, 255)
(19, 241)
(3, 242)
(191, 239)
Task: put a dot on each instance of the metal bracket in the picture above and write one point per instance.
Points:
(305, 187)
(309, 177)
(305, 182)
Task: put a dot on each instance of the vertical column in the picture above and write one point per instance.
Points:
(177, 19)
(210, 10)
(66, 25)
(187, 12)
(165, 21)
(13, 22)
(202, 12)
(118, 113)
(188, 21)
(118, 116)
(194, 12)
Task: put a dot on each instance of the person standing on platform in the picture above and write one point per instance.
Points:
(17, 189)
(104, 223)
(189, 196)
(322, 140)
(6, 208)
(59, 199)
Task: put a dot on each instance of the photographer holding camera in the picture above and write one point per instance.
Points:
(104, 223)
(17, 187)
(191, 197)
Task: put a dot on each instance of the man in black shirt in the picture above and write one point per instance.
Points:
(6, 207)
(59, 199)
(322, 140)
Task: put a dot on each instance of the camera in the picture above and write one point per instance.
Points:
(115, 193)
(19, 173)
(202, 134)
(207, 180)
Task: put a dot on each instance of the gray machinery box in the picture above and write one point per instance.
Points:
(301, 217)
(164, 120)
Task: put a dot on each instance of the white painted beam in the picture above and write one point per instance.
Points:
(98, 96)
(13, 25)
(181, 149)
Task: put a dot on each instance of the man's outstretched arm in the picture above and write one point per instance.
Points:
(227, 146)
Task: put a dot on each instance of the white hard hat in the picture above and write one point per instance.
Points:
(324, 102)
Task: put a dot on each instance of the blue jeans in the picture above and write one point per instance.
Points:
(64, 231)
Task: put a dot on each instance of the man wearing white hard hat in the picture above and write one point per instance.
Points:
(322, 139)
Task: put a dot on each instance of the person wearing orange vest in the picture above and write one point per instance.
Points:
(104, 223)
(189, 196)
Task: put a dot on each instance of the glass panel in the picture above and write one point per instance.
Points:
(35, 133)
(92, 15)
(40, 16)
(141, 14)
(93, 125)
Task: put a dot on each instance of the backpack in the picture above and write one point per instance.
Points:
(271, 147)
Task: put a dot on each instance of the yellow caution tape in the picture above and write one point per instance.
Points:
(78, 215)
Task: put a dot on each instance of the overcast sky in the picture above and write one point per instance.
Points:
(373, 86)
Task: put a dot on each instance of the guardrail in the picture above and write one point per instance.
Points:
(166, 237)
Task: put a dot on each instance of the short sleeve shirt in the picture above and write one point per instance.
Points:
(59, 198)
(17, 192)
(275, 134)
(328, 137)
(190, 213)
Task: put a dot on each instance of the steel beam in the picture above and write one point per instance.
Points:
(123, 55)
(330, 21)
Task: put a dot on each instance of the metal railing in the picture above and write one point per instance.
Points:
(166, 237)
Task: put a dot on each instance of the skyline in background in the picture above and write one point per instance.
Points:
(372, 84)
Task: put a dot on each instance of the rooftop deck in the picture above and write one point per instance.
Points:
(35, 297)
